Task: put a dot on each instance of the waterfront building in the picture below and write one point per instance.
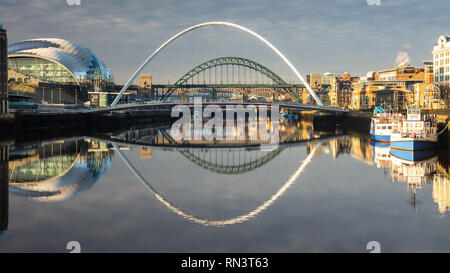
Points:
(327, 78)
(441, 60)
(3, 71)
(47, 62)
(403, 72)
(104, 99)
(428, 71)
(145, 85)
(145, 80)
(391, 88)
(341, 90)
(315, 81)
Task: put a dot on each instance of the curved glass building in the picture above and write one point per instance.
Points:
(51, 60)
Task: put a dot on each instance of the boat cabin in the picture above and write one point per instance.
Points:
(413, 114)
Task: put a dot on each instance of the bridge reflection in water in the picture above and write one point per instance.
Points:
(58, 170)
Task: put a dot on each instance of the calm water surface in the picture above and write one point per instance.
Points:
(141, 191)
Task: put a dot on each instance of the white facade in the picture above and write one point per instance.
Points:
(441, 60)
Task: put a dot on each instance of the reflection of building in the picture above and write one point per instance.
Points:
(56, 61)
(441, 59)
(441, 193)
(414, 173)
(61, 171)
(3, 72)
(146, 152)
(339, 146)
(381, 155)
(4, 187)
(361, 149)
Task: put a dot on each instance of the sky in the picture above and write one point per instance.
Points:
(317, 36)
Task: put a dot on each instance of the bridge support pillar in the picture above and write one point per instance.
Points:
(152, 93)
(275, 96)
(214, 95)
(245, 95)
(183, 95)
(4, 191)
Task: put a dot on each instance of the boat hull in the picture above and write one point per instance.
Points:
(380, 138)
(380, 144)
(413, 155)
(413, 145)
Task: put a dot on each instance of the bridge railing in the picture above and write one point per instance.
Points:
(155, 102)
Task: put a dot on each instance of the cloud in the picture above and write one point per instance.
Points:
(402, 58)
(316, 36)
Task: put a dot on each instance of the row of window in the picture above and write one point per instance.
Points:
(379, 127)
(441, 62)
(442, 78)
(443, 70)
(414, 125)
(441, 55)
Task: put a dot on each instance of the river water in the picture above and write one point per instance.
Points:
(139, 191)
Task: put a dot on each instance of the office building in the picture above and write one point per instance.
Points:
(441, 59)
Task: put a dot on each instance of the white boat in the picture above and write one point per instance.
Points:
(417, 132)
(382, 124)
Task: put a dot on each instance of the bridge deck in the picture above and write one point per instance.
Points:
(130, 106)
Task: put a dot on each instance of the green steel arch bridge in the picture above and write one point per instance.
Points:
(228, 75)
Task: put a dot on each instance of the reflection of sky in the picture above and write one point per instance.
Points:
(335, 205)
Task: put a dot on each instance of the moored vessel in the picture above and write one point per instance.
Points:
(382, 124)
(417, 132)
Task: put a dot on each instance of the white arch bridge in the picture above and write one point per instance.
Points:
(115, 107)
